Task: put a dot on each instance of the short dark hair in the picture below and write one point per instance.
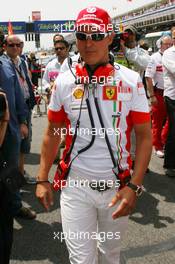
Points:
(57, 35)
(66, 44)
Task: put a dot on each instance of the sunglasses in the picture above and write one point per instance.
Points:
(12, 45)
(93, 36)
(60, 48)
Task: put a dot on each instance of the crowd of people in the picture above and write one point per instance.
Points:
(133, 100)
(158, 5)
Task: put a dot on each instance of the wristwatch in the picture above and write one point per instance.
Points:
(136, 188)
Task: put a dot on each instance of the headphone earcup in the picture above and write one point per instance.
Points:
(104, 70)
(81, 71)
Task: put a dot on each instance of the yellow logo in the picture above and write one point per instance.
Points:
(78, 93)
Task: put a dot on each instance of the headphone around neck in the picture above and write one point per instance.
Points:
(84, 74)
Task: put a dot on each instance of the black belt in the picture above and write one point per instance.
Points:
(97, 186)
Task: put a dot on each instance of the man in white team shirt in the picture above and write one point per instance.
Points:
(155, 86)
(89, 213)
(52, 70)
(168, 61)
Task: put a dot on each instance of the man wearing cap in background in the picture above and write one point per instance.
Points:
(89, 211)
(133, 53)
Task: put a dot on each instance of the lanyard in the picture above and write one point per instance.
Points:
(19, 71)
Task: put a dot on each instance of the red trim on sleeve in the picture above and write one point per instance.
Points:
(57, 116)
(140, 117)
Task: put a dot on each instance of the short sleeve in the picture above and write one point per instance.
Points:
(56, 111)
(139, 106)
(151, 69)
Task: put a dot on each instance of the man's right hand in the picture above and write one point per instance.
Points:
(44, 194)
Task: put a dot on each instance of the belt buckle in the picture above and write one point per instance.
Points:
(98, 187)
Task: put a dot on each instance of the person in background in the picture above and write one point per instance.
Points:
(137, 59)
(10, 81)
(57, 37)
(155, 86)
(52, 69)
(6, 219)
(22, 69)
(34, 68)
(133, 53)
(168, 61)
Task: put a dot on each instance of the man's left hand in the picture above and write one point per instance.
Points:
(24, 131)
(127, 204)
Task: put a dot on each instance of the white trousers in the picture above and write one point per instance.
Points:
(88, 226)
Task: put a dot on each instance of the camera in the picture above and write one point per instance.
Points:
(125, 35)
(115, 46)
(3, 106)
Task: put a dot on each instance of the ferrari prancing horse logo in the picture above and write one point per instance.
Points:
(109, 93)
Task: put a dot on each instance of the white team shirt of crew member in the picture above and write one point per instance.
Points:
(53, 67)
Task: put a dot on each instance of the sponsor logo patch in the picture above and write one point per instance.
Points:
(110, 93)
(78, 93)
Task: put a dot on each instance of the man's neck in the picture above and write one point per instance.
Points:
(61, 60)
(95, 66)
(14, 59)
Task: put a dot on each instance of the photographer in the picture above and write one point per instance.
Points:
(6, 220)
(133, 53)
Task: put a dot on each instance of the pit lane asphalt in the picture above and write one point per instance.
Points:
(149, 237)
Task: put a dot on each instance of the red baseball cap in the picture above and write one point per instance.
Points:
(96, 17)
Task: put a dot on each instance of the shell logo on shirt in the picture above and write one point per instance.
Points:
(109, 93)
(78, 93)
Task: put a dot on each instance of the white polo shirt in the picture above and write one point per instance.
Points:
(122, 105)
(154, 70)
(169, 72)
(51, 72)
